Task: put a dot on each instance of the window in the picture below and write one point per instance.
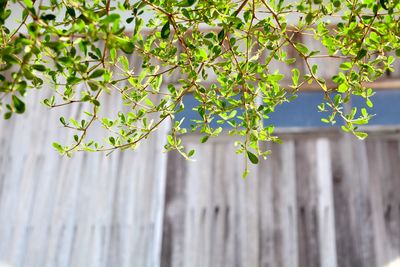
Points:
(303, 111)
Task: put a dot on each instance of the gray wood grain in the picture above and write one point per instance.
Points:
(89, 210)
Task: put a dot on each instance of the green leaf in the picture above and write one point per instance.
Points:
(39, 67)
(170, 139)
(12, 59)
(138, 26)
(295, 77)
(186, 3)
(93, 86)
(364, 112)
(343, 87)
(309, 17)
(245, 173)
(96, 102)
(253, 158)
(112, 140)
(18, 104)
(48, 17)
(111, 18)
(247, 14)
(202, 53)
(384, 4)
(204, 139)
(346, 65)
(191, 153)
(314, 69)
(302, 48)
(369, 103)
(125, 62)
(113, 54)
(97, 73)
(62, 120)
(362, 53)
(71, 12)
(7, 115)
(221, 35)
(361, 135)
(58, 147)
(127, 46)
(336, 3)
(165, 31)
(28, 3)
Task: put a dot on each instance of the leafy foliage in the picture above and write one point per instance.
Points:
(81, 48)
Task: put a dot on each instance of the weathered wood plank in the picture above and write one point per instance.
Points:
(266, 198)
(247, 213)
(279, 236)
(307, 203)
(383, 158)
(355, 170)
(344, 241)
(221, 250)
(197, 214)
(327, 235)
(174, 215)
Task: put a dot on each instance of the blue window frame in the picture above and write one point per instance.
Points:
(386, 107)
(303, 111)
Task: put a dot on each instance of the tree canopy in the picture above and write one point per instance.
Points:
(81, 50)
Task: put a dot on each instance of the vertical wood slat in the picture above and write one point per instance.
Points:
(308, 223)
(267, 244)
(327, 235)
(228, 215)
(385, 179)
(278, 208)
(197, 214)
(378, 172)
(289, 223)
(344, 240)
(355, 167)
(173, 227)
(247, 214)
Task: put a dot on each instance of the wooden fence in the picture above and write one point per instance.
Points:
(88, 210)
(321, 199)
